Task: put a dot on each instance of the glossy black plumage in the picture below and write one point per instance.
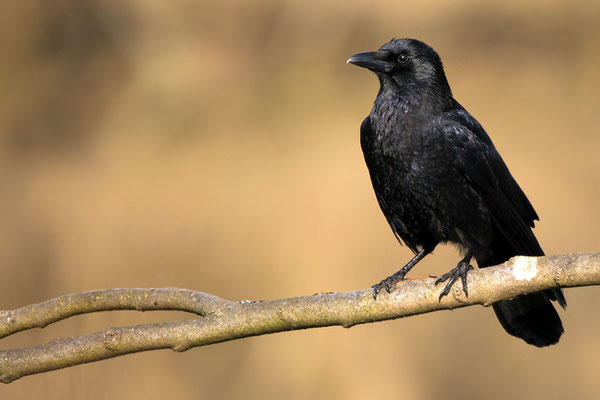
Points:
(438, 178)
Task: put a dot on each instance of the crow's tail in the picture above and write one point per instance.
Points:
(531, 317)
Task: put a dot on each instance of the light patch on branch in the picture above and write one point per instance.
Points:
(525, 268)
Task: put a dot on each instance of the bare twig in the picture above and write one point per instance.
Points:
(48, 312)
(223, 320)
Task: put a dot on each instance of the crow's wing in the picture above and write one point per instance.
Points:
(485, 171)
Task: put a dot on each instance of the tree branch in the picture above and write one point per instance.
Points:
(48, 312)
(221, 320)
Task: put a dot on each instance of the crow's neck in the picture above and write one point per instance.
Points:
(408, 106)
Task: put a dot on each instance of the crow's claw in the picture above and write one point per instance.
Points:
(460, 271)
(388, 283)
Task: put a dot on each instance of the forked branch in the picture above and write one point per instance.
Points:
(220, 320)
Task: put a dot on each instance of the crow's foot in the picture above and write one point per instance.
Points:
(388, 283)
(460, 271)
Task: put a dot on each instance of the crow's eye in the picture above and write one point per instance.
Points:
(403, 59)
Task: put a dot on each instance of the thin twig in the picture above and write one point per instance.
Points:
(42, 314)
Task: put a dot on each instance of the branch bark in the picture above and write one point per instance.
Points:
(222, 320)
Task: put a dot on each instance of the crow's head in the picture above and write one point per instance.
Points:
(405, 64)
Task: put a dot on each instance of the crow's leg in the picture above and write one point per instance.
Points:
(390, 281)
(461, 270)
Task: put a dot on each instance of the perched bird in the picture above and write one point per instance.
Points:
(439, 179)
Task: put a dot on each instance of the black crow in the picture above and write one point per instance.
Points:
(439, 179)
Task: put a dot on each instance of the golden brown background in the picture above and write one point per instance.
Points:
(213, 145)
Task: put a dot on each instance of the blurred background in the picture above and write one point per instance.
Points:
(215, 146)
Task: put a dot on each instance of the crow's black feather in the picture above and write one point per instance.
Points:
(438, 178)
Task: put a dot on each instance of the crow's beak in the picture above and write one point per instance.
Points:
(373, 60)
